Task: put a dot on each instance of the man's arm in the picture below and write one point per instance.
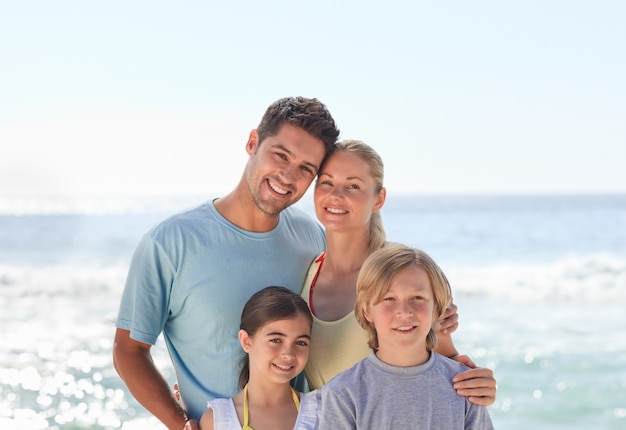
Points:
(478, 384)
(133, 362)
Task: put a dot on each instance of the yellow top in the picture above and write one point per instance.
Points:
(336, 345)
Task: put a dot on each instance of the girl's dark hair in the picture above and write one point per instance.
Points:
(267, 305)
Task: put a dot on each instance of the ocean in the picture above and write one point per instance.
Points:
(540, 282)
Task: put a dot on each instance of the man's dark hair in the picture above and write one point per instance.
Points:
(311, 115)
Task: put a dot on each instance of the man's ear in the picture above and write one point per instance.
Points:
(245, 341)
(252, 143)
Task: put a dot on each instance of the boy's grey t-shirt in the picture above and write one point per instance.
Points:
(376, 395)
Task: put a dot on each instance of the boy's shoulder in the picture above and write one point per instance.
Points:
(349, 375)
(450, 365)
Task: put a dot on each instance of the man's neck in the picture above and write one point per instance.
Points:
(244, 213)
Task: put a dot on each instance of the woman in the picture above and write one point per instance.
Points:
(348, 196)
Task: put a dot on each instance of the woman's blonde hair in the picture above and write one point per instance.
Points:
(375, 278)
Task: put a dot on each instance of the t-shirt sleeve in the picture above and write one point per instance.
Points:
(145, 300)
(335, 411)
(477, 417)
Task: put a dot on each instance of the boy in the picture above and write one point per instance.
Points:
(402, 384)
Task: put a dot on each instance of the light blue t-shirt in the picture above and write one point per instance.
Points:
(190, 277)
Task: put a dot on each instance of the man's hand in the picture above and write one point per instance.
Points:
(478, 383)
(191, 425)
(449, 321)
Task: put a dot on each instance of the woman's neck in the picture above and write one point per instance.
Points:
(345, 253)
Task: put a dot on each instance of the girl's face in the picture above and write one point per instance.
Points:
(345, 194)
(278, 350)
(404, 316)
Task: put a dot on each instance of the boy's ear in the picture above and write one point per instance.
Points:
(366, 313)
(244, 340)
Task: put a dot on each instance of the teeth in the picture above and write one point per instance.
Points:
(405, 328)
(336, 211)
(283, 367)
(277, 188)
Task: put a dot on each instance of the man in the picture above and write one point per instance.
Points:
(191, 275)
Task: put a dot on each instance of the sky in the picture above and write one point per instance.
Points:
(158, 98)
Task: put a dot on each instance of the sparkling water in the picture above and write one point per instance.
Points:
(540, 282)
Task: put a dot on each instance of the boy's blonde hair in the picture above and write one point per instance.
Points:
(375, 278)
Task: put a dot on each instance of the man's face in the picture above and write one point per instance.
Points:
(282, 167)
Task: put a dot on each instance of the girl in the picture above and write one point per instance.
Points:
(275, 331)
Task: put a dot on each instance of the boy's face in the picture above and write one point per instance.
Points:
(281, 168)
(404, 317)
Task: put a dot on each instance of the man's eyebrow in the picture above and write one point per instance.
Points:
(308, 163)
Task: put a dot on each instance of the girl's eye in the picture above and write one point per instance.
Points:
(275, 340)
(302, 343)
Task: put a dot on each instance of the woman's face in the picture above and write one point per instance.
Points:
(345, 193)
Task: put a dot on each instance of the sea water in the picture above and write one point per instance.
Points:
(540, 282)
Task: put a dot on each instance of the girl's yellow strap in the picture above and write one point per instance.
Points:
(246, 414)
